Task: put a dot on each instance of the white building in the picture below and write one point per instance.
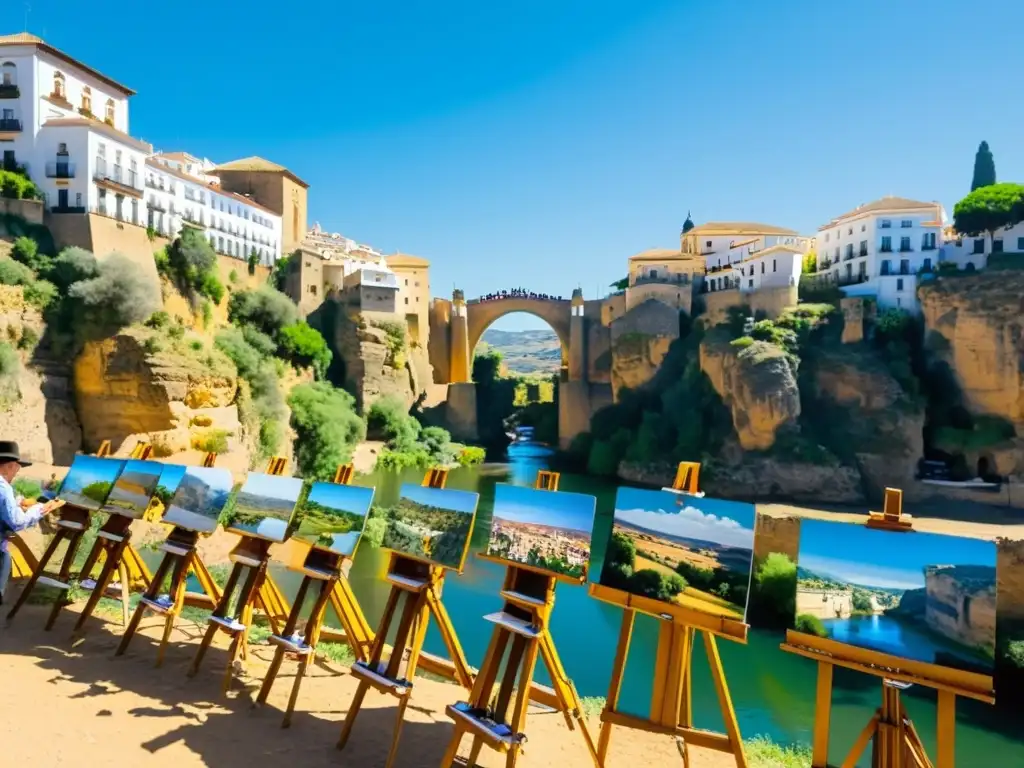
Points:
(235, 225)
(878, 249)
(777, 266)
(68, 124)
(724, 243)
(971, 253)
(345, 256)
(372, 289)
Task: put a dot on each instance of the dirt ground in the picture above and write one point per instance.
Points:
(84, 707)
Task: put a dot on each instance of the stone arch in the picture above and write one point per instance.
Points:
(481, 315)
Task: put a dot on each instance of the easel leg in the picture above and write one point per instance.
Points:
(615, 687)
(566, 691)
(112, 562)
(122, 573)
(453, 748)
(220, 611)
(732, 727)
(353, 710)
(58, 537)
(312, 637)
(140, 609)
(822, 717)
(945, 752)
(178, 583)
(65, 573)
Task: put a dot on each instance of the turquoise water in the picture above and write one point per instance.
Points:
(772, 691)
(886, 634)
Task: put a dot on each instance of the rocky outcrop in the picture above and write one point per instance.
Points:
(640, 339)
(961, 603)
(757, 383)
(127, 387)
(974, 323)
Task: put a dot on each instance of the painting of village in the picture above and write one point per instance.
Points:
(689, 551)
(921, 596)
(134, 489)
(432, 524)
(333, 517)
(264, 507)
(89, 481)
(199, 498)
(543, 529)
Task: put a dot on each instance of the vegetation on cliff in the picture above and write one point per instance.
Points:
(326, 426)
(409, 444)
(505, 401)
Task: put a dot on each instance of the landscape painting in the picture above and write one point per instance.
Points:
(679, 549)
(264, 507)
(199, 499)
(333, 516)
(134, 489)
(921, 596)
(432, 524)
(89, 481)
(542, 529)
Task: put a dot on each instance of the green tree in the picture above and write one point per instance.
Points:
(253, 261)
(774, 602)
(984, 168)
(621, 285)
(810, 264)
(989, 209)
(305, 347)
(326, 426)
(862, 601)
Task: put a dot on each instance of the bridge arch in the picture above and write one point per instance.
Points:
(482, 313)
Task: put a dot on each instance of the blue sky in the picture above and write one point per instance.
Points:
(348, 498)
(541, 144)
(170, 476)
(218, 479)
(528, 505)
(853, 553)
(724, 522)
(446, 498)
(86, 470)
(273, 486)
(150, 468)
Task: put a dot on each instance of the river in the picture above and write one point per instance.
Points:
(772, 691)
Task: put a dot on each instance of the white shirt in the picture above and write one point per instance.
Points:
(12, 517)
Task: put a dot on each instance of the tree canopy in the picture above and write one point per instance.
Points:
(989, 209)
(984, 168)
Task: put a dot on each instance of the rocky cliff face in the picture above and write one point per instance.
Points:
(639, 342)
(758, 385)
(975, 324)
(961, 603)
(125, 389)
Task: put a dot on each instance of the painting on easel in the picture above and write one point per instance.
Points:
(685, 550)
(431, 524)
(921, 596)
(264, 507)
(333, 517)
(89, 481)
(134, 489)
(542, 529)
(199, 499)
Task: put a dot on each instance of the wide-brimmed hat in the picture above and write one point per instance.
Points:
(9, 452)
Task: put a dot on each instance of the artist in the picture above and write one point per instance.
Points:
(15, 515)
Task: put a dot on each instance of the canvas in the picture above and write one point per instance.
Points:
(432, 524)
(683, 550)
(333, 516)
(199, 498)
(542, 529)
(89, 481)
(921, 596)
(264, 507)
(134, 489)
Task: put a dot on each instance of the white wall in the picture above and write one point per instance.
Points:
(22, 108)
(964, 250)
(45, 154)
(75, 80)
(851, 237)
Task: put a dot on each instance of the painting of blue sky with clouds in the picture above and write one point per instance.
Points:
(134, 488)
(921, 596)
(689, 551)
(89, 481)
(199, 497)
(264, 507)
(542, 529)
(333, 517)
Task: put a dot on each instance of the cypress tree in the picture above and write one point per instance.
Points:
(984, 168)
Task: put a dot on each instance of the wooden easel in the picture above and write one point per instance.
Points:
(529, 595)
(113, 542)
(71, 527)
(896, 741)
(420, 584)
(180, 558)
(671, 711)
(326, 569)
(251, 554)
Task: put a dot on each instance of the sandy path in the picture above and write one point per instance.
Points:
(122, 711)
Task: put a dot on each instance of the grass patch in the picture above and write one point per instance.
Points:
(339, 653)
(592, 706)
(762, 752)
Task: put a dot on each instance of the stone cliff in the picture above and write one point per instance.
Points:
(961, 604)
(757, 383)
(129, 387)
(640, 339)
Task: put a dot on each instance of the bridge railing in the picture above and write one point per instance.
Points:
(483, 300)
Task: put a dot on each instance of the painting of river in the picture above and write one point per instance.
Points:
(922, 596)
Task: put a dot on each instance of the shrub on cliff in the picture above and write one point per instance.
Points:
(26, 251)
(305, 347)
(38, 293)
(327, 428)
(16, 186)
(810, 625)
(119, 295)
(265, 309)
(10, 370)
(72, 265)
(191, 264)
(388, 419)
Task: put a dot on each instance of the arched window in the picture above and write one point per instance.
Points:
(8, 74)
(58, 85)
(87, 100)
(110, 112)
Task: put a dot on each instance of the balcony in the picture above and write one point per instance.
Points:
(61, 169)
(862, 252)
(848, 256)
(156, 205)
(9, 91)
(885, 249)
(67, 209)
(661, 280)
(10, 125)
(928, 247)
(117, 179)
(906, 249)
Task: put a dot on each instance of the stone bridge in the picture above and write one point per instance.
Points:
(457, 326)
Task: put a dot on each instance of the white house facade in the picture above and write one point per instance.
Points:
(777, 266)
(879, 248)
(67, 125)
(971, 253)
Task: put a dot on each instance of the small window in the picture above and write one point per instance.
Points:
(850, 231)
(899, 283)
(78, 199)
(979, 245)
(407, 300)
(774, 267)
(87, 100)
(750, 284)
(863, 227)
(885, 224)
(762, 267)
(58, 85)
(708, 244)
(1020, 244)
(997, 245)
(906, 224)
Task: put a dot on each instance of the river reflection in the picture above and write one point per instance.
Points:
(772, 691)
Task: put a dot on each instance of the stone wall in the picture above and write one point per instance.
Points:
(776, 534)
(30, 210)
(771, 301)
(961, 603)
(639, 342)
(825, 604)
